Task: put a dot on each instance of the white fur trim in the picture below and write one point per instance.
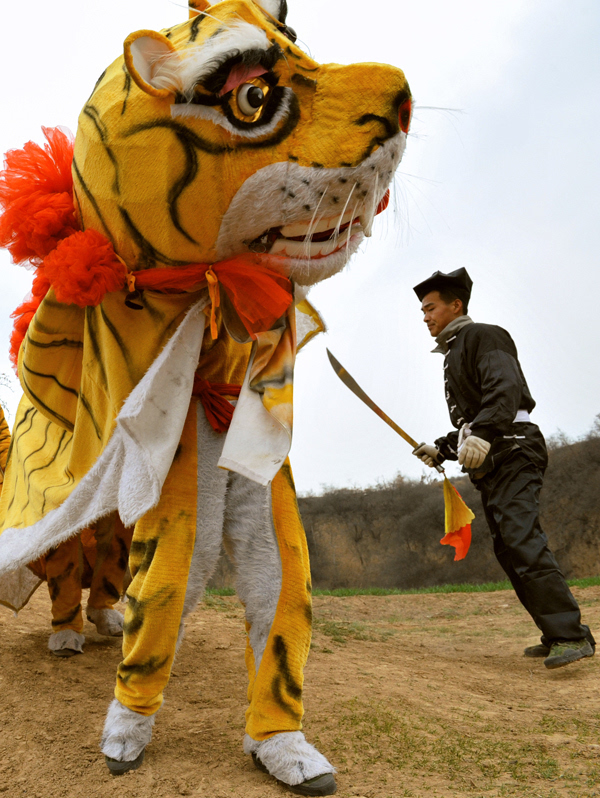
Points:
(126, 733)
(134, 455)
(108, 622)
(198, 61)
(256, 445)
(289, 758)
(66, 639)
(251, 542)
(217, 117)
(273, 7)
(278, 195)
(212, 485)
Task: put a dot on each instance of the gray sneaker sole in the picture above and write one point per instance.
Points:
(118, 768)
(574, 655)
(320, 785)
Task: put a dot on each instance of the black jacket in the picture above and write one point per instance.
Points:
(485, 387)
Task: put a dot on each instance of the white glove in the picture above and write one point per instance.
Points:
(473, 452)
(428, 454)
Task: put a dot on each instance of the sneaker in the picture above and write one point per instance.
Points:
(563, 652)
(536, 651)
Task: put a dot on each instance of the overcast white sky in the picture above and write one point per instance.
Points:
(507, 185)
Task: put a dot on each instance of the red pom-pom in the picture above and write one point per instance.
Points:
(83, 268)
(36, 195)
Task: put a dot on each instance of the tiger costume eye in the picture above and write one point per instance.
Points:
(249, 100)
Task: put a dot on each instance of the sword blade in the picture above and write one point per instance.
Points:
(351, 383)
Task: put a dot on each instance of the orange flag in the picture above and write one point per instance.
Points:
(458, 521)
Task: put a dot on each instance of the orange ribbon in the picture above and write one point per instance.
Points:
(215, 300)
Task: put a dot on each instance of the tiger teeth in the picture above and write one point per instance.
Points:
(302, 228)
(300, 249)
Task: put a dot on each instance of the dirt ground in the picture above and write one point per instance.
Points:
(407, 695)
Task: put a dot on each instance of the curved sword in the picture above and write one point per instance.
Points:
(351, 383)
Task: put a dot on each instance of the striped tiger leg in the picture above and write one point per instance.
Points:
(161, 552)
(113, 542)
(265, 539)
(64, 572)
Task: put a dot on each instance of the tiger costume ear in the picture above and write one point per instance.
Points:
(196, 6)
(145, 52)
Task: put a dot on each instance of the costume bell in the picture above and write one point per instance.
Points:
(505, 455)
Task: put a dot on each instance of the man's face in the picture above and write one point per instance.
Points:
(438, 314)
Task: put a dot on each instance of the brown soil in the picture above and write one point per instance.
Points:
(408, 695)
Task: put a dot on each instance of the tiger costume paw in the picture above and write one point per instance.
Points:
(289, 758)
(126, 734)
(108, 622)
(66, 643)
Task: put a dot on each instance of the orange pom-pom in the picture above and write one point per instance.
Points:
(83, 268)
(36, 195)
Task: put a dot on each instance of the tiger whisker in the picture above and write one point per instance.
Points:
(350, 230)
(311, 226)
(339, 224)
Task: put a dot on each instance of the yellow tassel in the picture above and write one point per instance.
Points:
(215, 300)
(458, 521)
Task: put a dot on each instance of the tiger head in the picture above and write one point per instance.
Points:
(220, 136)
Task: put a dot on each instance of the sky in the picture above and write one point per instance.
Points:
(501, 176)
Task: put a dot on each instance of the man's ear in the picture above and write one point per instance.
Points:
(145, 51)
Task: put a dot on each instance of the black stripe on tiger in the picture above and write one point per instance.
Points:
(92, 113)
(284, 680)
(152, 665)
(150, 255)
(391, 129)
(85, 403)
(302, 80)
(17, 436)
(64, 422)
(90, 318)
(96, 84)
(66, 342)
(189, 175)
(195, 27)
(93, 202)
(126, 89)
(46, 465)
(50, 377)
(120, 343)
(68, 618)
(70, 479)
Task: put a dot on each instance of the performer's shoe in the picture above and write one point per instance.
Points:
(536, 651)
(118, 768)
(320, 785)
(563, 652)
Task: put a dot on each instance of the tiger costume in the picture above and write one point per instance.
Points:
(217, 169)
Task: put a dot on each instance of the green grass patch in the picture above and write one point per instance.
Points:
(341, 631)
(486, 587)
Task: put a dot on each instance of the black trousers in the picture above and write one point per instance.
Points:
(510, 495)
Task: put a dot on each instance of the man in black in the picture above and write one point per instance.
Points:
(505, 456)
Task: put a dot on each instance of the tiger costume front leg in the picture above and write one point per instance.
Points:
(263, 535)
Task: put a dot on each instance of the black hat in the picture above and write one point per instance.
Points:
(459, 282)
